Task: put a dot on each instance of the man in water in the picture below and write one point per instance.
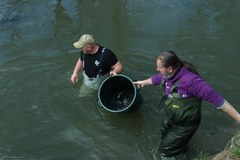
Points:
(96, 62)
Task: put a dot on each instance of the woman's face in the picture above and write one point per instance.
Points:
(165, 71)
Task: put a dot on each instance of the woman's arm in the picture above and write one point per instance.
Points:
(231, 111)
(143, 83)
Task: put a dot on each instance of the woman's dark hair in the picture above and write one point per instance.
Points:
(190, 67)
(170, 59)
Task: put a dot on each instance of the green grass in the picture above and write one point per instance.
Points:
(202, 156)
(231, 151)
(235, 151)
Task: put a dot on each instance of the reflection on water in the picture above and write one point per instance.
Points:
(42, 115)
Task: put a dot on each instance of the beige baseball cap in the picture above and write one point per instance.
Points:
(84, 40)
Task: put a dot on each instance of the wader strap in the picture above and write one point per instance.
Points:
(174, 90)
(83, 57)
(100, 70)
(162, 84)
(164, 97)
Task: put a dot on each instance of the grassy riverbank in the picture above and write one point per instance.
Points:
(231, 151)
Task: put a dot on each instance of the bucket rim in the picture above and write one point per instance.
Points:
(121, 110)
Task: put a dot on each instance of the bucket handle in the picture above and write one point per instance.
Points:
(98, 103)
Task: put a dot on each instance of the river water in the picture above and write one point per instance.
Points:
(43, 116)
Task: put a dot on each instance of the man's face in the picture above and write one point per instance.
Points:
(86, 49)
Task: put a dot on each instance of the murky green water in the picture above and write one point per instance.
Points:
(42, 114)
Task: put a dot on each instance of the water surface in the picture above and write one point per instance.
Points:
(42, 113)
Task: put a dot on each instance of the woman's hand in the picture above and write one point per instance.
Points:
(140, 84)
(143, 83)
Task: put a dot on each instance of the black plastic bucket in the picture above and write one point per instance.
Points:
(118, 94)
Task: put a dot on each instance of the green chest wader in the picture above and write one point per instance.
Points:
(181, 118)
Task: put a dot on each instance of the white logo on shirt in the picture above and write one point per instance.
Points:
(97, 63)
(184, 95)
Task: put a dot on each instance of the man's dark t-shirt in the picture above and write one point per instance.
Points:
(98, 62)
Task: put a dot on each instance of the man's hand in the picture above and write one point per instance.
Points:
(112, 73)
(74, 78)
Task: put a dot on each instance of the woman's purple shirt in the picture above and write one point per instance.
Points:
(190, 85)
